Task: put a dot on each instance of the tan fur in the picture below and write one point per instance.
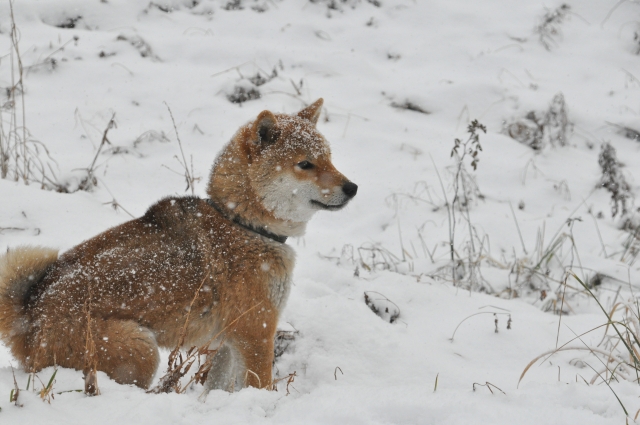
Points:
(135, 282)
(20, 269)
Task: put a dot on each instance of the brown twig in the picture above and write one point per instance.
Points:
(488, 385)
(90, 181)
(188, 175)
(14, 43)
(104, 141)
(290, 378)
(90, 353)
(15, 392)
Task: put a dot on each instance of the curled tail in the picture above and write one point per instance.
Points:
(20, 269)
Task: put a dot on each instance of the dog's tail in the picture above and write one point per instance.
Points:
(20, 269)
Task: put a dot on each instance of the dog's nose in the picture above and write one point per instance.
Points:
(350, 189)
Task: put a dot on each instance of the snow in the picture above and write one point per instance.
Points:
(456, 60)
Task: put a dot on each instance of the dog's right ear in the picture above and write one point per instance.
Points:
(312, 112)
(265, 129)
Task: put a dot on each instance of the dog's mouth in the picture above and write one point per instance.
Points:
(333, 207)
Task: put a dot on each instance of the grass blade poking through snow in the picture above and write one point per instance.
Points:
(475, 314)
(15, 392)
(564, 347)
(632, 353)
(625, 334)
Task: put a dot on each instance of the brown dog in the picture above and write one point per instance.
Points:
(128, 291)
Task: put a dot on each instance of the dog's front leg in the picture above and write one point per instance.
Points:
(254, 341)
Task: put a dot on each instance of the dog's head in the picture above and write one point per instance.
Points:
(276, 172)
(290, 166)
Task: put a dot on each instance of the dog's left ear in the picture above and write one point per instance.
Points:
(265, 129)
(312, 112)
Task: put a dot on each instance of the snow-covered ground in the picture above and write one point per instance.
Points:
(457, 60)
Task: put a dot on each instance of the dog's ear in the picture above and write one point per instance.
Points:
(265, 129)
(312, 112)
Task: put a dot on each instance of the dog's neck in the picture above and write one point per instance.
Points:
(231, 190)
(258, 230)
(245, 208)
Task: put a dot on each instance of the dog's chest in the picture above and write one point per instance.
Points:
(250, 269)
(277, 269)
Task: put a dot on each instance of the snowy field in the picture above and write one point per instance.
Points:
(401, 79)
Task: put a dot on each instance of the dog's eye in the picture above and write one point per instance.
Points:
(305, 165)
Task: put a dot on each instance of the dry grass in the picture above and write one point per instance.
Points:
(488, 385)
(495, 315)
(46, 392)
(543, 271)
(289, 380)
(463, 268)
(179, 365)
(465, 190)
(22, 157)
(15, 392)
(90, 181)
(368, 256)
(90, 354)
(617, 353)
(188, 173)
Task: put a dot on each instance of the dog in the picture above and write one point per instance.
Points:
(188, 270)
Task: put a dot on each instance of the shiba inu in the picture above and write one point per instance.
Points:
(217, 261)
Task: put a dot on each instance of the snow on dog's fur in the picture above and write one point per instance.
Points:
(136, 281)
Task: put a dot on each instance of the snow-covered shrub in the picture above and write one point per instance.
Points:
(261, 78)
(549, 27)
(242, 93)
(246, 88)
(409, 106)
(627, 131)
(382, 306)
(140, 45)
(621, 199)
(538, 129)
(339, 5)
(556, 125)
(527, 130)
(613, 180)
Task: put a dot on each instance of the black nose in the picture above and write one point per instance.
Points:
(350, 189)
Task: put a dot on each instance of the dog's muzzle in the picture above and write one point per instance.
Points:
(350, 189)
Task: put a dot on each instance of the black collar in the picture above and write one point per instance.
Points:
(258, 230)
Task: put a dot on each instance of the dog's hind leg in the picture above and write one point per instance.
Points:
(125, 351)
(226, 370)
(246, 358)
